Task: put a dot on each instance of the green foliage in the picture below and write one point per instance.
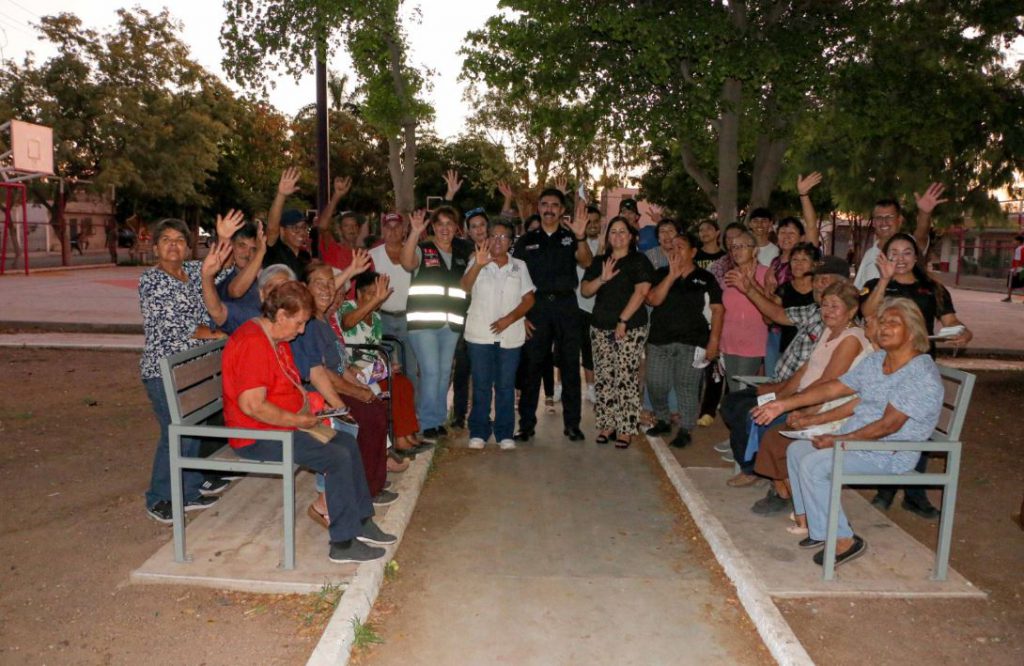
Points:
(364, 634)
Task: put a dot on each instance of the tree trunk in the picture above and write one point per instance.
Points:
(728, 151)
(767, 168)
(402, 151)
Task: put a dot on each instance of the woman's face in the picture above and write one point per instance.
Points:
(288, 327)
(499, 240)
(444, 229)
(741, 249)
(171, 247)
(901, 253)
(707, 233)
(893, 332)
(618, 236)
(477, 229)
(800, 264)
(322, 287)
(787, 236)
(666, 233)
(835, 314)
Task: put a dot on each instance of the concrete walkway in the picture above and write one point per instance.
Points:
(557, 553)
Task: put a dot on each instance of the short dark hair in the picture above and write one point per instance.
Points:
(366, 279)
(593, 209)
(791, 222)
(736, 225)
(450, 211)
(505, 224)
(810, 249)
(690, 238)
(172, 224)
(668, 222)
(247, 230)
(634, 235)
(761, 212)
(553, 192)
(889, 202)
(292, 297)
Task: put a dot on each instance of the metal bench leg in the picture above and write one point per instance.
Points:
(834, 499)
(177, 495)
(948, 509)
(288, 491)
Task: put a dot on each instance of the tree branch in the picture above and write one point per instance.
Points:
(693, 168)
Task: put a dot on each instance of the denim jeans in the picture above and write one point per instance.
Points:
(348, 496)
(494, 371)
(160, 479)
(399, 327)
(810, 475)
(772, 350)
(435, 348)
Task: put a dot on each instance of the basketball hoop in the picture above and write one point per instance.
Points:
(30, 156)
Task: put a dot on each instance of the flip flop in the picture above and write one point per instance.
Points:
(320, 518)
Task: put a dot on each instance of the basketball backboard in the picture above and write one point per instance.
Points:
(31, 148)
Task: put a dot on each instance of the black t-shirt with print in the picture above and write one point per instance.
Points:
(614, 294)
(680, 317)
(922, 293)
(704, 259)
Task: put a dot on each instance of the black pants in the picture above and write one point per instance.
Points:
(555, 322)
(712, 392)
(735, 411)
(461, 375)
(586, 348)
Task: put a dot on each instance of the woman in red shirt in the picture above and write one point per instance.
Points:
(263, 391)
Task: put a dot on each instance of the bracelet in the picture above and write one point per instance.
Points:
(623, 321)
(805, 195)
(580, 240)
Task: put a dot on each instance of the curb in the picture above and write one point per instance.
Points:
(335, 645)
(73, 327)
(776, 633)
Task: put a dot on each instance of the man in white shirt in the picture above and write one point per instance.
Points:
(761, 220)
(386, 261)
(886, 220)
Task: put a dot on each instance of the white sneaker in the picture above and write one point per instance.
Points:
(558, 393)
(591, 394)
(476, 443)
(507, 444)
(723, 446)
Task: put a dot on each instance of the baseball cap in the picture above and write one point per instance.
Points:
(392, 218)
(833, 266)
(291, 217)
(628, 204)
(476, 212)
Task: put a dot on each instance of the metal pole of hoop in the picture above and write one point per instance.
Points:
(9, 203)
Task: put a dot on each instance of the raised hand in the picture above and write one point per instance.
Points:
(805, 185)
(451, 179)
(886, 268)
(418, 222)
(562, 184)
(608, 270)
(229, 223)
(215, 258)
(578, 225)
(656, 215)
(382, 288)
(675, 265)
(342, 186)
(289, 183)
(483, 254)
(360, 261)
(932, 197)
(261, 239)
(505, 189)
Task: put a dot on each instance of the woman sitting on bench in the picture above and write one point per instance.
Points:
(900, 393)
(263, 391)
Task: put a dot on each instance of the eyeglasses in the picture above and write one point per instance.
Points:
(884, 218)
(500, 237)
(737, 246)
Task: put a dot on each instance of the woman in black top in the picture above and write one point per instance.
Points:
(710, 251)
(797, 290)
(621, 279)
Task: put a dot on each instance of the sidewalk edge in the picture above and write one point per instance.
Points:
(776, 633)
(335, 645)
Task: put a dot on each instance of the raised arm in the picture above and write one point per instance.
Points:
(382, 290)
(765, 305)
(803, 188)
(480, 259)
(886, 269)
(341, 188)
(579, 230)
(286, 187)
(211, 265)
(453, 183)
(240, 283)
(417, 224)
(925, 206)
(608, 271)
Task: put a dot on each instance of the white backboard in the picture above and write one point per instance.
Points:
(32, 147)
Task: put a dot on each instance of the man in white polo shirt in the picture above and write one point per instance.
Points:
(392, 314)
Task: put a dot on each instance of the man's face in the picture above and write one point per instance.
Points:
(295, 235)
(822, 282)
(593, 225)
(631, 216)
(666, 232)
(761, 227)
(478, 229)
(350, 230)
(550, 209)
(244, 249)
(886, 221)
(393, 232)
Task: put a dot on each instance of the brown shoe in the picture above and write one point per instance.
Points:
(742, 480)
(319, 518)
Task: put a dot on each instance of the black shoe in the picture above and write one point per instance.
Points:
(430, 435)
(234, 476)
(659, 428)
(524, 435)
(214, 486)
(354, 550)
(161, 511)
(808, 542)
(681, 439)
(442, 431)
(374, 535)
(458, 424)
(385, 497)
(574, 434)
(921, 508)
(771, 504)
(859, 547)
(421, 447)
(883, 500)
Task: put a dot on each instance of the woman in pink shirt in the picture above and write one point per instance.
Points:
(744, 332)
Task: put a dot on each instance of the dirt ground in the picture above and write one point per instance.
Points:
(76, 444)
(76, 439)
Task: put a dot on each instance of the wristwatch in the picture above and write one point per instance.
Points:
(623, 321)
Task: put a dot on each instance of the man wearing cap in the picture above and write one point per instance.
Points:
(287, 229)
(386, 259)
(809, 325)
(629, 209)
(551, 253)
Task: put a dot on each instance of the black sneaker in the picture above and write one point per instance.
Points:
(771, 504)
(524, 435)
(659, 428)
(213, 486)
(430, 435)
(354, 550)
(923, 509)
(161, 511)
(201, 502)
(859, 547)
(883, 500)
(385, 497)
(458, 424)
(681, 439)
(442, 431)
(374, 535)
(808, 542)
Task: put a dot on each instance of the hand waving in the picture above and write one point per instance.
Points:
(562, 184)
(886, 268)
(483, 254)
(608, 270)
(451, 179)
(360, 262)
(931, 198)
(382, 288)
(215, 258)
(289, 183)
(578, 226)
(805, 185)
(505, 189)
(229, 223)
(342, 186)
(418, 222)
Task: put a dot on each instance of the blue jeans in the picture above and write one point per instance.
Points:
(160, 479)
(494, 370)
(399, 327)
(772, 350)
(810, 475)
(435, 348)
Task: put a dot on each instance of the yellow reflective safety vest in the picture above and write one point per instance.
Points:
(436, 297)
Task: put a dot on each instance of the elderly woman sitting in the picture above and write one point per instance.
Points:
(900, 393)
(263, 391)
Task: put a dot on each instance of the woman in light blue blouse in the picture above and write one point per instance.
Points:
(900, 392)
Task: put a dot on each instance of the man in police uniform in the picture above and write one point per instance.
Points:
(552, 253)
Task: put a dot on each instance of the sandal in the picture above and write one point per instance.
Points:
(320, 518)
(603, 438)
(623, 443)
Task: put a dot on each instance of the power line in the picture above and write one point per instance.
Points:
(15, 25)
(24, 9)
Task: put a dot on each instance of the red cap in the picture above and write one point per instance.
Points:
(392, 217)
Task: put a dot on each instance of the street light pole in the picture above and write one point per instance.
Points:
(323, 166)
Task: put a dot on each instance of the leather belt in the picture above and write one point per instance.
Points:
(393, 314)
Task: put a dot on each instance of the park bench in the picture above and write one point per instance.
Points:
(957, 388)
(192, 385)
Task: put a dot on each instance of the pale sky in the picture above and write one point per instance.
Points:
(435, 42)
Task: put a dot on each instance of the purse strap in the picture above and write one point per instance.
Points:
(281, 367)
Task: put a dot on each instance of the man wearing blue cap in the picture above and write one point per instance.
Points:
(287, 230)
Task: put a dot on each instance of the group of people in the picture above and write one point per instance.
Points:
(661, 319)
